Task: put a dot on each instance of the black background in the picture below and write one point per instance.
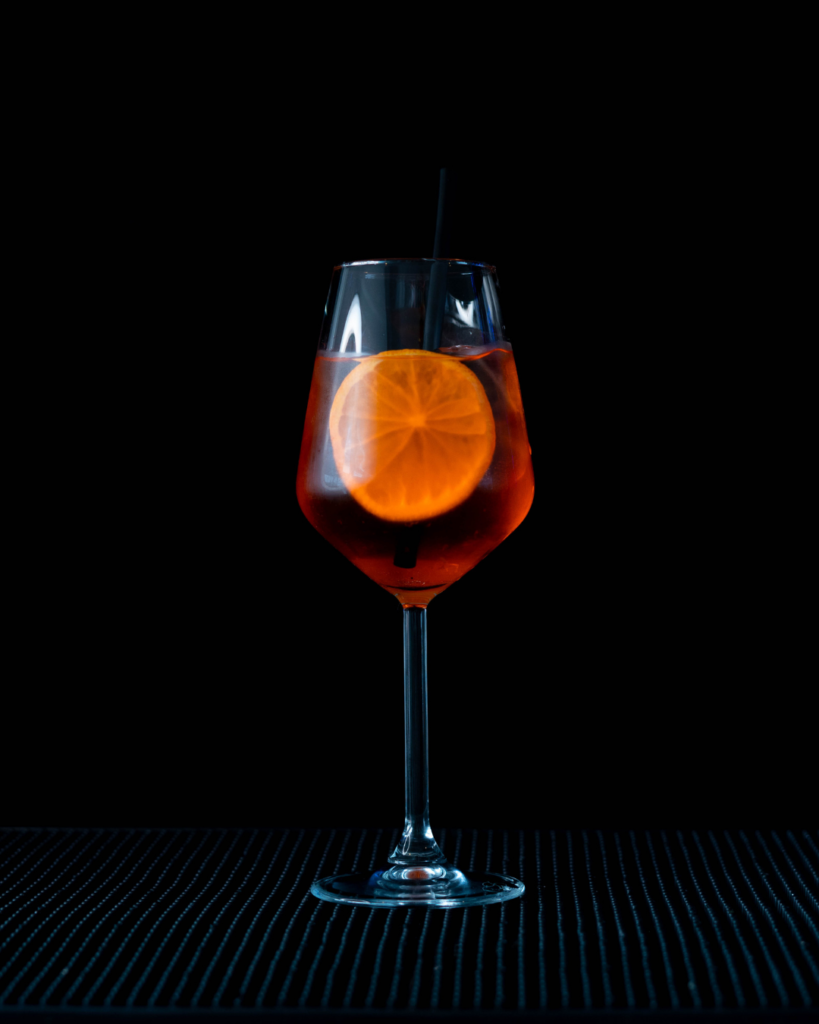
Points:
(186, 650)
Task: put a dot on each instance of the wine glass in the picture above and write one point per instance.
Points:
(415, 464)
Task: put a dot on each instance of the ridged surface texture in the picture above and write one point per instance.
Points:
(224, 918)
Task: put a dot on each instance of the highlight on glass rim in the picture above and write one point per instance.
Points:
(415, 464)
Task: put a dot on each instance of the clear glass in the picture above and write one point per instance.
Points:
(415, 464)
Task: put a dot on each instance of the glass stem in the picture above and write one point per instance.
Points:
(417, 845)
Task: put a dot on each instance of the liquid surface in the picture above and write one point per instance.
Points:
(415, 558)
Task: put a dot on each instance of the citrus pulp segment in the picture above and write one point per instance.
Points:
(412, 433)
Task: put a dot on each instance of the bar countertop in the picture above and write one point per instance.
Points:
(220, 922)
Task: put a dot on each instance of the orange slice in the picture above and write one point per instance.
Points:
(412, 433)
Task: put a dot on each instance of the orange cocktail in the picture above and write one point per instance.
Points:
(416, 464)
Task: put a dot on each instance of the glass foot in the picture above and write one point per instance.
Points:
(439, 885)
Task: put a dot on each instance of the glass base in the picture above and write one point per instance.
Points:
(439, 885)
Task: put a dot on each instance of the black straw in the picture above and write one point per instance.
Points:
(443, 223)
(408, 538)
(436, 296)
(406, 546)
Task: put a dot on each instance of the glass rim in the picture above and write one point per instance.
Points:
(420, 259)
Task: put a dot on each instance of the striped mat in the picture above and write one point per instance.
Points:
(222, 919)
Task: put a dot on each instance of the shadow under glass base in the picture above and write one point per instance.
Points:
(440, 885)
